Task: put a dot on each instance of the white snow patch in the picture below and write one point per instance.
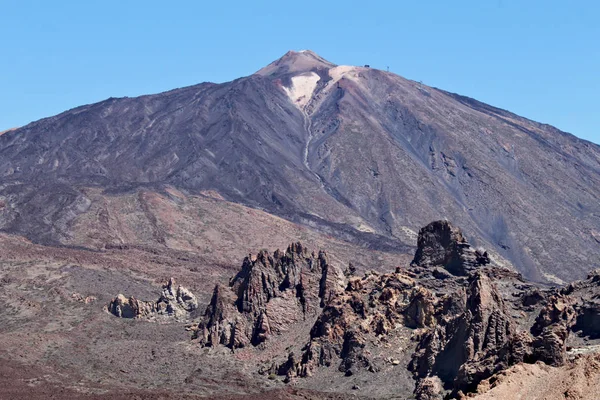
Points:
(302, 89)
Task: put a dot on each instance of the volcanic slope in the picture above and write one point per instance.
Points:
(358, 153)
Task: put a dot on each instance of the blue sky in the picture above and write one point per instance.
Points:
(540, 59)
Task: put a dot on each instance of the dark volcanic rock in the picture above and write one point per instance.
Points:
(462, 347)
(429, 388)
(370, 306)
(442, 245)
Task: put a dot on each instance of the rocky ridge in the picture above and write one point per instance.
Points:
(452, 318)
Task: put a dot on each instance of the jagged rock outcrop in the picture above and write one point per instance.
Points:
(175, 301)
(269, 294)
(475, 335)
(369, 307)
(462, 325)
(461, 310)
(420, 312)
(471, 331)
(551, 329)
(443, 245)
(453, 319)
(586, 295)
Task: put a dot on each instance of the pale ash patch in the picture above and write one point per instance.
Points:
(584, 350)
(553, 278)
(365, 228)
(337, 73)
(343, 71)
(410, 234)
(596, 236)
(302, 89)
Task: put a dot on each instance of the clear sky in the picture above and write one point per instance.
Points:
(537, 58)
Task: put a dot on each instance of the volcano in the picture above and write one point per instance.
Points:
(356, 153)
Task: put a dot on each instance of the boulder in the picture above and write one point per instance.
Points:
(124, 307)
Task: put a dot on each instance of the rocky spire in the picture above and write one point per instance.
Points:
(442, 245)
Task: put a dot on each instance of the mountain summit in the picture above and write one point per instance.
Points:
(360, 154)
(294, 62)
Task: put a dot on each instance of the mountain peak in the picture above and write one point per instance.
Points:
(296, 61)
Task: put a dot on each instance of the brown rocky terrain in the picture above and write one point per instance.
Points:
(59, 340)
(269, 295)
(289, 323)
(451, 318)
(577, 379)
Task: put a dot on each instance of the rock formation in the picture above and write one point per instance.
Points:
(131, 307)
(269, 294)
(442, 245)
(175, 301)
(370, 306)
(475, 335)
(464, 345)
(467, 318)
